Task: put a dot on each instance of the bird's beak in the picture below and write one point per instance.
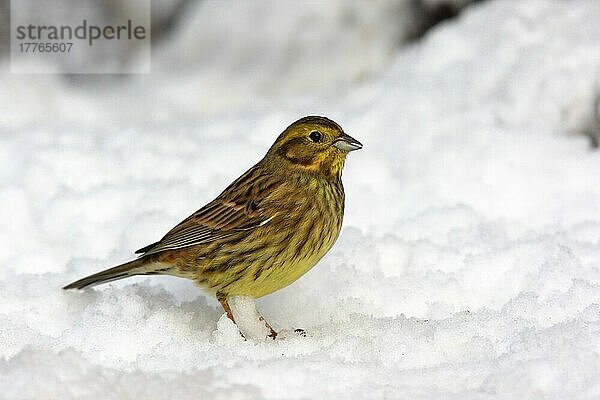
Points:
(347, 143)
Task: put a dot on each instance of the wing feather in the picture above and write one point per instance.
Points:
(235, 212)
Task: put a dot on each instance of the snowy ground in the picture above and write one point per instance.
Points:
(468, 268)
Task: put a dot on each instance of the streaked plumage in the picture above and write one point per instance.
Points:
(268, 228)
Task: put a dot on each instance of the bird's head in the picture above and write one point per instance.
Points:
(314, 144)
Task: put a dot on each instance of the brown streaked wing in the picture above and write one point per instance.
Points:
(236, 211)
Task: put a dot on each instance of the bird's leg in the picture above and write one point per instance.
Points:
(227, 309)
(250, 323)
(272, 334)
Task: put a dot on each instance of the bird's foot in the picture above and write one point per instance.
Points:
(272, 334)
(252, 325)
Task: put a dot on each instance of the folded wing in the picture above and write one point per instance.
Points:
(236, 211)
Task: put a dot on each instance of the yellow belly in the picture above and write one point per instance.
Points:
(262, 281)
(278, 266)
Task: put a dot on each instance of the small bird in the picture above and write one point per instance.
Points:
(264, 231)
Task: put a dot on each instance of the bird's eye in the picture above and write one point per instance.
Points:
(315, 136)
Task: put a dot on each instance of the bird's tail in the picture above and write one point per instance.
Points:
(131, 268)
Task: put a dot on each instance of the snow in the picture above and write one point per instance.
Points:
(248, 319)
(467, 267)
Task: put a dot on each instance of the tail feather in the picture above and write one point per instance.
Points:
(131, 268)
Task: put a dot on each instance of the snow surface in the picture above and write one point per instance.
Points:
(468, 267)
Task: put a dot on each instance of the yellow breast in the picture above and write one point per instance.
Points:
(288, 246)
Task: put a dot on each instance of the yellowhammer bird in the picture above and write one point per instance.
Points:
(268, 228)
